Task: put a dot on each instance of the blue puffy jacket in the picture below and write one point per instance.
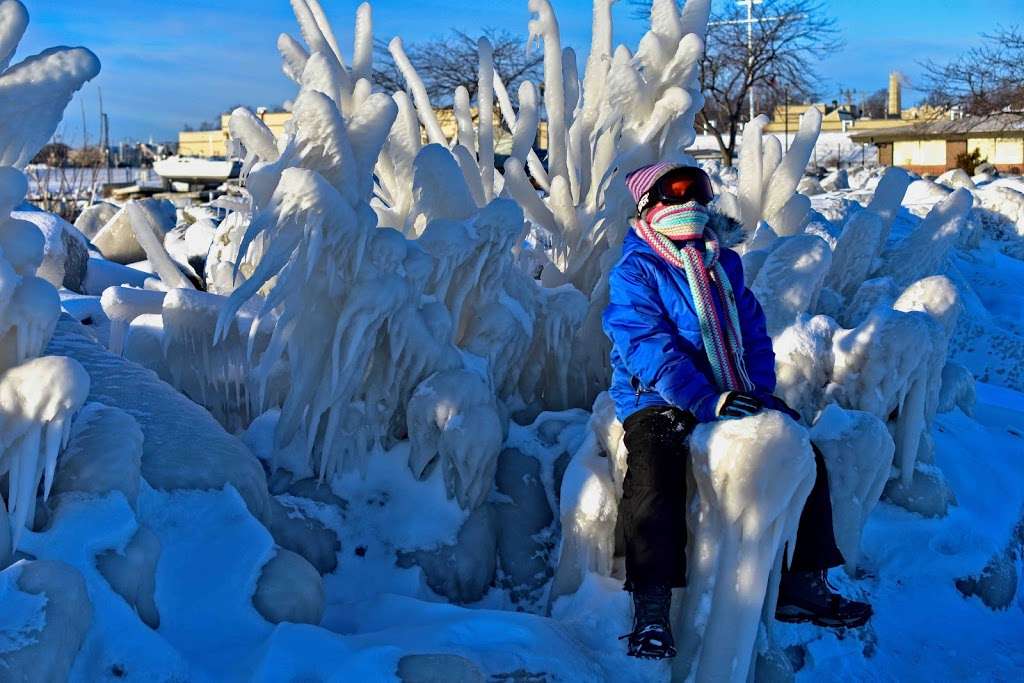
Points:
(658, 354)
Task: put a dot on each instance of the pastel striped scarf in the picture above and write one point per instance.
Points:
(723, 340)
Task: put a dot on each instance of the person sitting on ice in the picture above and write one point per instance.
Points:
(689, 345)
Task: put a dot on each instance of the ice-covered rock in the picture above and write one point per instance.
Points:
(150, 232)
(209, 459)
(927, 494)
(1006, 206)
(289, 589)
(996, 584)
(523, 546)
(809, 186)
(923, 194)
(454, 425)
(430, 668)
(65, 252)
(955, 178)
(957, 389)
(94, 217)
(104, 453)
(836, 180)
(307, 537)
(47, 613)
(117, 241)
(463, 571)
(858, 451)
(131, 573)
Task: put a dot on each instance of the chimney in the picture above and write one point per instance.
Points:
(894, 108)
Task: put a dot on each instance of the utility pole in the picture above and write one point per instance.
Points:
(749, 21)
(750, 48)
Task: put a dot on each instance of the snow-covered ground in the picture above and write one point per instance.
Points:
(338, 428)
(832, 149)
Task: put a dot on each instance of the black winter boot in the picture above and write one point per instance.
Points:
(808, 596)
(652, 635)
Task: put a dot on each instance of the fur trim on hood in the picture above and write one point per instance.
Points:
(730, 231)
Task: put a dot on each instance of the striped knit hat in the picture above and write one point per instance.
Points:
(642, 179)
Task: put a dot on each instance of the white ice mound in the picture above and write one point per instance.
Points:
(752, 477)
(34, 92)
(37, 400)
(205, 458)
(589, 504)
(104, 454)
(858, 451)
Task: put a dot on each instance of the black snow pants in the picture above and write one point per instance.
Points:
(654, 503)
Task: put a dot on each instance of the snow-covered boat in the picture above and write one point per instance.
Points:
(197, 169)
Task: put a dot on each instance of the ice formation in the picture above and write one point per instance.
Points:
(747, 517)
(741, 518)
(858, 452)
(38, 395)
(388, 317)
(34, 92)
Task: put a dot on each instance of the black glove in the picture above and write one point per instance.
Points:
(773, 402)
(736, 404)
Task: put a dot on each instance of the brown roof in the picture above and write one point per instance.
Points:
(1010, 125)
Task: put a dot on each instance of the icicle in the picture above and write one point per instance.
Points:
(465, 134)
(293, 57)
(424, 109)
(545, 26)
(751, 182)
(782, 184)
(526, 122)
(362, 51)
(485, 117)
(254, 134)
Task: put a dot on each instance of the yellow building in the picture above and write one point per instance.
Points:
(933, 146)
(214, 143)
(202, 143)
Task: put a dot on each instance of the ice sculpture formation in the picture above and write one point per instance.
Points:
(38, 395)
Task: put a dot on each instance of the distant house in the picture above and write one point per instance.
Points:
(933, 147)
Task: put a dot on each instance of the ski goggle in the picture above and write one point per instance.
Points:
(678, 186)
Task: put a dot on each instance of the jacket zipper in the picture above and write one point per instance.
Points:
(640, 388)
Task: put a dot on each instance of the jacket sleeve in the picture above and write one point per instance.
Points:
(643, 336)
(758, 354)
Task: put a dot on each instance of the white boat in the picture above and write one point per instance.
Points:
(197, 169)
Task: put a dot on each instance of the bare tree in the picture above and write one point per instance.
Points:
(876, 104)
(985, 80)
(786, 37)
(451, 61)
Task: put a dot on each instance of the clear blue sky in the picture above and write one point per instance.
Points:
(170, 63)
